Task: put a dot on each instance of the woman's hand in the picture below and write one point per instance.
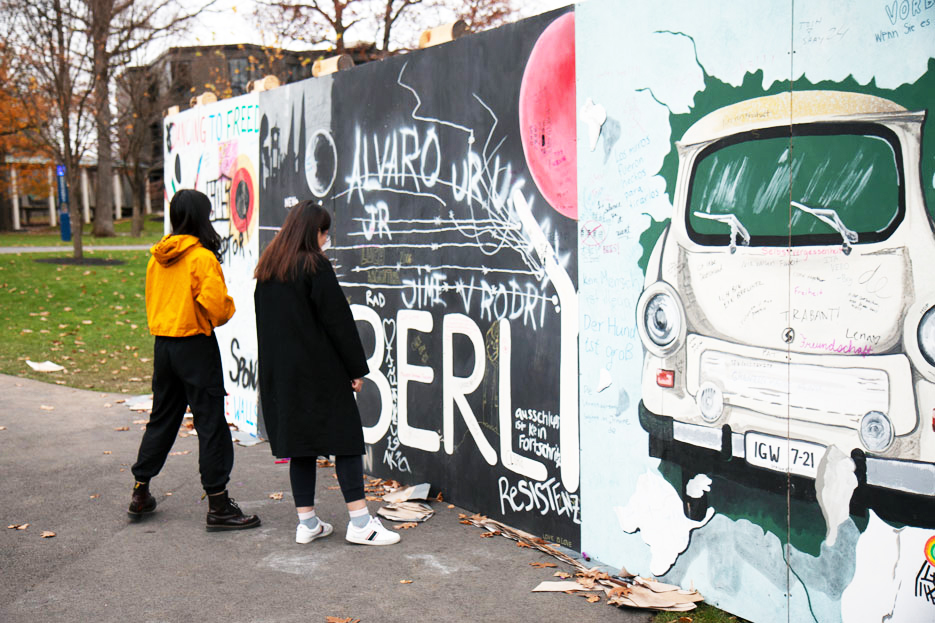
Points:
(357, 384)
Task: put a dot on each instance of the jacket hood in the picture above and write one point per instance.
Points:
(168, 250)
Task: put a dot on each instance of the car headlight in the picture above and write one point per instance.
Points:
(926, 336)
(662, 319)
(876, 432)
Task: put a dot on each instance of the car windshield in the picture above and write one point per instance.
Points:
(845, 183)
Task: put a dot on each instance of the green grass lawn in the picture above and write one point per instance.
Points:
(702, 614)
(90, 319)
(50, 236)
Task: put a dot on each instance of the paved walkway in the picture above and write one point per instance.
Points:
(64, 460)
(68, 249)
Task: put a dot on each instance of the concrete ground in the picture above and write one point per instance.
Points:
(64, 467)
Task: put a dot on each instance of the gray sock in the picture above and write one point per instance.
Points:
(360, 518)
(311, 523)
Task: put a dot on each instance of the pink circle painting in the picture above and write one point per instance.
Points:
(547, 116)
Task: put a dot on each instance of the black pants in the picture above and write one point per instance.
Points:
(187, 371)
(350, 471)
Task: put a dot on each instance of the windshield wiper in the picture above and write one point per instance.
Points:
(736, 227)
(830, 217)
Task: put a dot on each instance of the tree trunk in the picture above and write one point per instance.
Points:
(138, 186)
(6, 199)
(73, 179)
(104, 197)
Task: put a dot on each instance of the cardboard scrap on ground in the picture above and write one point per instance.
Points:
(244, 439)
(140, 403)
(45, 366)
(623, 589)
(415, 492)
(406, 511)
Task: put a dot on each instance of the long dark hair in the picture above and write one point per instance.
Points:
(190, 213)
(296, 242)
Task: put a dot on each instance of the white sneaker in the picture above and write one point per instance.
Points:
(307, 535)
(372, 534)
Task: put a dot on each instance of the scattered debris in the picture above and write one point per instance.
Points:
(543, 565)
(95, 496)
(18, 526)
(406, 511)
(107, 405)
(47, 534)
(325, 463)
(45, 366)
(415, 492)
(405, 581)
(244, 439)
(2, 427)
(141, 421)
(47, 407)
(561, 587)
(107, 452)
(276, 496)
(121, 428)
(406, 526)
(623, 589)
(341, 620)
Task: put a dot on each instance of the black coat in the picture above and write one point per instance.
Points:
(309, 351)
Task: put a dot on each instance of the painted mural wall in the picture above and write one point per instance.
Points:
(756, 342)
(214, 149)
(645, 279)
(451, 176)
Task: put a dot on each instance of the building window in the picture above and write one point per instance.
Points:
(239, 72)
(181, 75)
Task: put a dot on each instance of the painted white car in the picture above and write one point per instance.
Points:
(788, 306)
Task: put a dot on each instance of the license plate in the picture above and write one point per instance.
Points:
(777, 454)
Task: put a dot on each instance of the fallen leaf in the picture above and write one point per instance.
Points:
(562, 574)
(95, 496)
(406, 526)
(622, 591)
(334, 487)
(373, 498)
(18, 526)
(179, 453)
(325, 463)
(487, 535)
(2, 427)
(276, 496)
(121, 401)
(47, 534)
(167, 492)
(438, 498)
(47, 407)
(451, 506)
(521, 544)
(87, 322)
(341, 620)
(405, 581)
(140, 421)
(593, 599)
(120, 428)
(542, 565)
(685, 620)
(107, 452)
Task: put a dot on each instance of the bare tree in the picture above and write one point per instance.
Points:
(52, 79)
(317, 22)
(118, 29)
(314, 22)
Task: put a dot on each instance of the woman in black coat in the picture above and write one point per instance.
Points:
(311, 362)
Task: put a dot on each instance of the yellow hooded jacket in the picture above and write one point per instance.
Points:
(185, 289)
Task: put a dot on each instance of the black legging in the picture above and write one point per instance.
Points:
(302, 471)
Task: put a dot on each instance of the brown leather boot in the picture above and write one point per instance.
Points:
(141, 502)
(224, 514)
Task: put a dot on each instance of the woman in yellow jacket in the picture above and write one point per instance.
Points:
(186, 298)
